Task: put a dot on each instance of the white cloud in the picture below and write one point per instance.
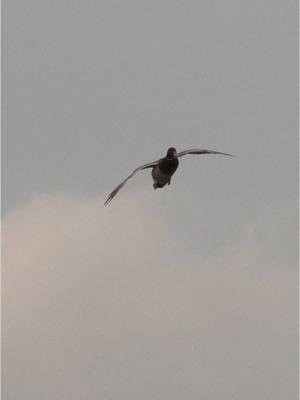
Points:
(110, 303)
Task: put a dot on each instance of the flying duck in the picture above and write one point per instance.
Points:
(162, 169)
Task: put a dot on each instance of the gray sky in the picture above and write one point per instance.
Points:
(185, 292)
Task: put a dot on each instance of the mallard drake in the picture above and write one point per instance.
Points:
(162, 169)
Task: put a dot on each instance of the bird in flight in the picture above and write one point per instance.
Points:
(162, 169)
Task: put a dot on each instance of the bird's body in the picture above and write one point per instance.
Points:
(162, 169)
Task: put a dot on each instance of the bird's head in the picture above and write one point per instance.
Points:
(171, 153)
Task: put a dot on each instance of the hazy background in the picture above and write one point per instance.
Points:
(187, 292)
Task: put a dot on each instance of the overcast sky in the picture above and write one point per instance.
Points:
(186, 292)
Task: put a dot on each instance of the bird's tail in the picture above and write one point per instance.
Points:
(157, 185)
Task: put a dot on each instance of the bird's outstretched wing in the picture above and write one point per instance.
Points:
(119, 187)
(200, 151)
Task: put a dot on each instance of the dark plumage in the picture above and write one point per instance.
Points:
(162, 169)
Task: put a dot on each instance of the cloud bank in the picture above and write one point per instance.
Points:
(110, 303)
